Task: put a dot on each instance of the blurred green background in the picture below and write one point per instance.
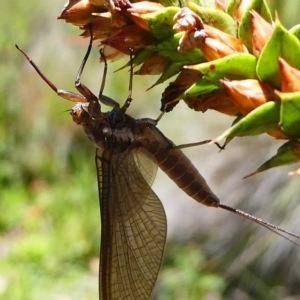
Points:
(49, 216)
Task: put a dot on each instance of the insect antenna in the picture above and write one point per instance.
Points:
(86, 94)
(52, 86)
(274, 228)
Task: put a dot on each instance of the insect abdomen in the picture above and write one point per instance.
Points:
(181, 170)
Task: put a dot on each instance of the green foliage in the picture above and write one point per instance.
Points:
(195, 283)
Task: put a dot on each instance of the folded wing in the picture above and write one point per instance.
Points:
(133, 232)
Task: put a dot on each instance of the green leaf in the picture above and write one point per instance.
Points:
(236, 66)
(284, 156)
(260, 120)
(281, 44)
(231, 7)
(290, 113)
(170, 70)
(215, 17)
(232, 67)
(245, 30)
(141, 56)
(161, 22)
(202, 86)
(296, 31)
(168, 48)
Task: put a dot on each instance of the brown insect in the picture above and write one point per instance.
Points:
(133, 231)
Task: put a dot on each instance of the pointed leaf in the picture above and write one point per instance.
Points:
(284, 156)
(245, 31)
(290, 113)
(215, 18)
(281, 44)
(160, 23)
(296, 31)
(141, 56)
(235, 66)
(169, 71)
(168, 48)
(260, 120)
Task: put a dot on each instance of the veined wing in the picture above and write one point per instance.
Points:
(133, 232)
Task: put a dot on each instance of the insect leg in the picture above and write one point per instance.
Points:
(104, 99)
(90, 97)
(129, 99)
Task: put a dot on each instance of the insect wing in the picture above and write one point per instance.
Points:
(133, 232)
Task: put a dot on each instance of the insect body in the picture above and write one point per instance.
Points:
(133, 219)
(133, 231)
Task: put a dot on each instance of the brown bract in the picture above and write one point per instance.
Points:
(131, 36)
(213, 49)
(111, 53)
(221, 4)
(249, 93)
(187, 20)
(261, 32)
(172, 94)
(241, 8)
(102, 27)
(79, 12)
(229, 40)
(192, 26)
(217, 100)
(153, 65)
(290, 77)
(143, 7)
(213, 42)
(140, 11)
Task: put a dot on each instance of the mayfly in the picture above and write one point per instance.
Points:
(128, 151)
